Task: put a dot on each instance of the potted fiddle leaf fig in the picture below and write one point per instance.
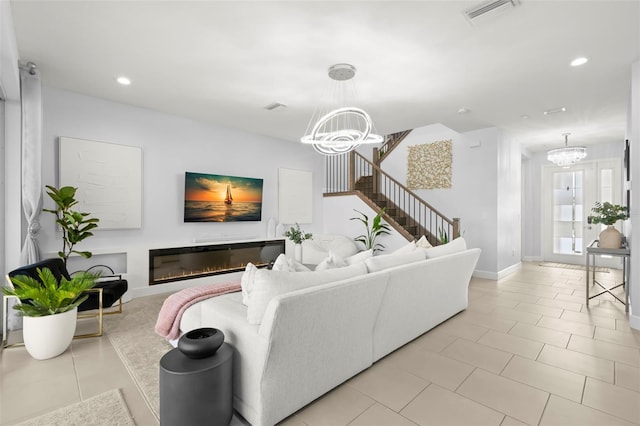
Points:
(49, 308)
(75, 225)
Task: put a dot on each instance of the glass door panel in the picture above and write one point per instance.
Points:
(567, 212)
(569, 196)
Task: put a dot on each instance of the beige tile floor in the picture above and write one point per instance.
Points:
(526, 351)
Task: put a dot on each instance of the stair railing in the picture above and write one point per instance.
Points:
(352, 173)
(391, 142)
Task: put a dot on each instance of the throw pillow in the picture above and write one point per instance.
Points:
(455, 246)
(408, 248)
(378, 263)
(359, 257)
(332, 261)
(247, 281)
(269, 284)
(281, 263)
(423, 242)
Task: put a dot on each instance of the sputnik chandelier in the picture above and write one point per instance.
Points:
(567, 156)
(335, 128)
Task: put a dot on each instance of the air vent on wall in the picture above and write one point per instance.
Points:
(489, 8)
(274, 105)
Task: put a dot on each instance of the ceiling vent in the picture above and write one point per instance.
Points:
(489, 9)
(274, 105)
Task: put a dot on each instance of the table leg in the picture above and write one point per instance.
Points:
(625, 278)
(587, 289)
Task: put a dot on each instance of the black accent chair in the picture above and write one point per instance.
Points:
(107, 291)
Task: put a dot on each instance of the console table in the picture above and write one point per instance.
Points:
(624, 253)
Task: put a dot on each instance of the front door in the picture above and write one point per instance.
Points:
(569, 196)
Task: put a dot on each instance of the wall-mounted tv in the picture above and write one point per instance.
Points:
(220, 198)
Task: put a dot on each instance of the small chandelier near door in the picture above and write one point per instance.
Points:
(567, 156)
(335, 128)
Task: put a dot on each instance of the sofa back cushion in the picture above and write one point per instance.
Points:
(269, 284)
(385, 261)
(455, 246)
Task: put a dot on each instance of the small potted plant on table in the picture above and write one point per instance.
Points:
(608, 214)
(297, 235)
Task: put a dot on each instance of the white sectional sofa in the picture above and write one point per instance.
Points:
(315, 330)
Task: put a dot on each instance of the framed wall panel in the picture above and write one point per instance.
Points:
(109, 180)
(295, 196)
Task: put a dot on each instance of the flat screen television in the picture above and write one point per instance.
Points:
(221, 198)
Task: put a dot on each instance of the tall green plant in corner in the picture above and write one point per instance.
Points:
(76, 226)
(374, 230)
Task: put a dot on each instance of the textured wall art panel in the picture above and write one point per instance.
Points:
(429, 165)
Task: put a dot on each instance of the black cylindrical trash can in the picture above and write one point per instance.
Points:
(196, 391)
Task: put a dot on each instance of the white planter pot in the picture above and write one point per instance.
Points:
(297, 252)
(610, 238)
(49, 336)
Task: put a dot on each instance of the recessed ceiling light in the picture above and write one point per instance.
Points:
(123, 80)
(524, 116)
(579, 61)
(463, 110)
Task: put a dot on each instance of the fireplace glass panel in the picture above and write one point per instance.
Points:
(183, 263)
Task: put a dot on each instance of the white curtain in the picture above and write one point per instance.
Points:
(31, 95)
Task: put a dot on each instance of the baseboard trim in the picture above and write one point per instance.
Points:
(509, 270)
(634, 320)
(486, 275)
(495, 276)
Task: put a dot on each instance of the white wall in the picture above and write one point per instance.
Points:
(634, 140)
(171, 145)
(509, 218)
(473, 196)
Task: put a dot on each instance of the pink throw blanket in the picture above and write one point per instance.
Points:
(168, 324)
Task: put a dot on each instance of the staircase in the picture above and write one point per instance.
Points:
(390, 143)
(407, 213)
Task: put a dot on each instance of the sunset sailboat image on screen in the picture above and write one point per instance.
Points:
(208, 198)
(228, 199)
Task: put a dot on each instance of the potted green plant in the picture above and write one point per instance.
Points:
(49, 309)
(374, 230)
(76, 226)
(608, 214)
(297, 235)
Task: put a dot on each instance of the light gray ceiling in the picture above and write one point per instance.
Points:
(418, 61)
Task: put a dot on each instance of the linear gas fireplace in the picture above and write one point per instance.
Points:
(185, 263)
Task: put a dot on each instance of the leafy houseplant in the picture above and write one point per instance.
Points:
(443, 237)
(297, 235)
(48, 296)
(374, 230)
(50, 310)
(607, 213)
(76, 226)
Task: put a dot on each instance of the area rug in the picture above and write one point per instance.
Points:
(133, 336)
(570, 266)
(107, 408)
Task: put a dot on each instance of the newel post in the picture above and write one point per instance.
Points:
(352, 171)
(456, 227)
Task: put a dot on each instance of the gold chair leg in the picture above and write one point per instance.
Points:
(99, 315)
